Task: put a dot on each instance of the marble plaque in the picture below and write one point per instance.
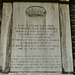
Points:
(36, 38)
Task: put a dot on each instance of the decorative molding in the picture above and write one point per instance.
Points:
(34, 11)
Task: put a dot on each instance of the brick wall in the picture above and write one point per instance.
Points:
(0, 13)
(72, 19)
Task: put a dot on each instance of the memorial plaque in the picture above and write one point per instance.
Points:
(36, 38)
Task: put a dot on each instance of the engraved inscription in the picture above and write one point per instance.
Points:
(37, 48)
